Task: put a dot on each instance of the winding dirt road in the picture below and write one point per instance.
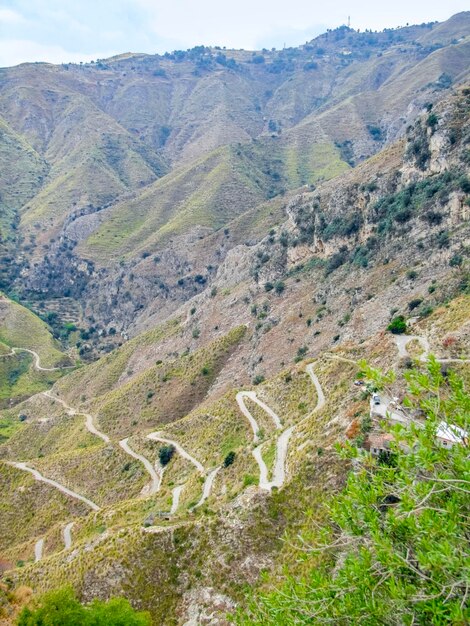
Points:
(320, 395)
(68, 492)
(154, 475)
(279, 471)
(88, 418)
(282, 442)
(240, 398)
(176, 493)
(181, 451)
(402, 341)
(68, 535)
(208, 483)
(37, 360)
(38, 549)
(209, 480)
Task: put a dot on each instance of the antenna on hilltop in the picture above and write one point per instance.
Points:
(349, 21)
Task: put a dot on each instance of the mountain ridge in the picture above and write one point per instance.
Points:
(218, 313)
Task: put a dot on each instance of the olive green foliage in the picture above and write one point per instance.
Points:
(229, 459)
(61, 608)
(165, 454)
(396, 552)
(398, 325)
(415, 199)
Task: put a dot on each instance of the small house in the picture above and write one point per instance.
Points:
(379, 443)
(448, 435)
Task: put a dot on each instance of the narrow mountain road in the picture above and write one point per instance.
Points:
(37, 360)
(38, 549)
(155, 476)
(402, 341)
(68, 535)
(263, 482)
(253, 423)
(88, 418)
(279, 472)
(39, 477)
(281, 443)
(176, 493)
(208, 484)
(383, 410)
(320, 395)
(181, 451)
(240, 398)
(210, 477)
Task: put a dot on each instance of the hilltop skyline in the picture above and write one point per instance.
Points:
(59, 32)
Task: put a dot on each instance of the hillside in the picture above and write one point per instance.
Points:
(141, 166)
(30, 358)
(181, 459)
(201, 250)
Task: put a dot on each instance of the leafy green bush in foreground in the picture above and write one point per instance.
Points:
(397, 550)
(61, 608)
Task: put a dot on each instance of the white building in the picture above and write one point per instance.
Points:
(448, 435)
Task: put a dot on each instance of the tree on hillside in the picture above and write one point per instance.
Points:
(398, 325)
(165, 454)
(397, 550)
(61, 608)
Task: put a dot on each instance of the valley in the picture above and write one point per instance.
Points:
(233, 284)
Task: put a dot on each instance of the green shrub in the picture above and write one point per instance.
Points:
(398, 325)
(336, 260)
(61, 608)
(412, 304)
(375, 132)
(342, 226)
(229, 459)
(426, 310)
(443, 239)
(165, 454)
(464, 182)
(456, 260)
(432, 120)
(394, 547)
(249, 479)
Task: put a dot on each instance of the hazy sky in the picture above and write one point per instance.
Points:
(81, 30)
